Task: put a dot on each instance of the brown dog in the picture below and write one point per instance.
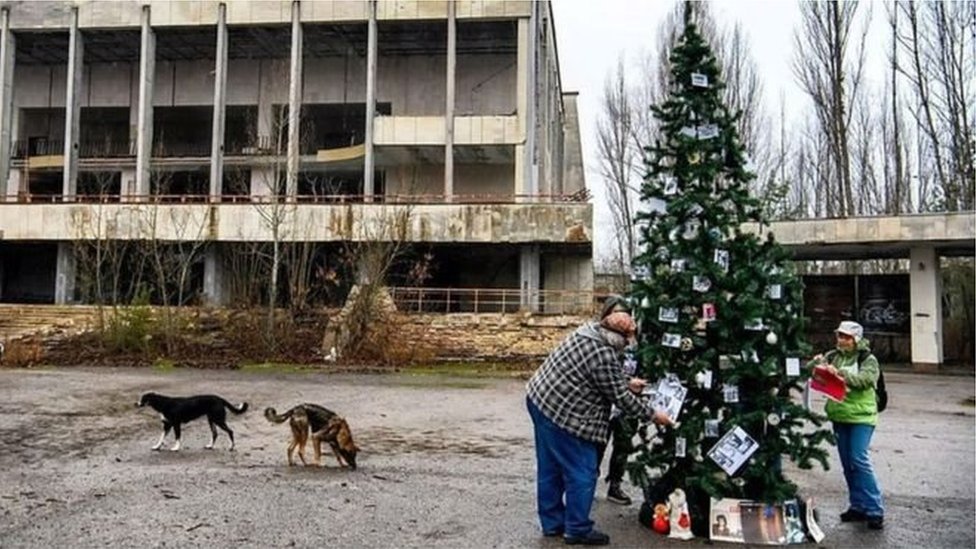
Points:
(323, 425)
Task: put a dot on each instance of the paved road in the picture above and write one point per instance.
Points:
(446, 462)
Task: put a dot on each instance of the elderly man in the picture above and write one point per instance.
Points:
(569, 399)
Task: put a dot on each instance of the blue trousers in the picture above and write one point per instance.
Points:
(566, 467)
(853, 441)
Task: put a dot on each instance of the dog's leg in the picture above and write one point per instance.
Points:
(291, 448)
(223, 425)
(179, 443)
(317, 447)
(300, 443)
(213, 435)
(159, 444)
(335, 450)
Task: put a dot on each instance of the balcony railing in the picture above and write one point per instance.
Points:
(493, 300)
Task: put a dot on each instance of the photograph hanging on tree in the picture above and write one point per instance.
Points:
(668, 396)
(732, 450)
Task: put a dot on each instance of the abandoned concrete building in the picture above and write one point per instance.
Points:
(208, 128)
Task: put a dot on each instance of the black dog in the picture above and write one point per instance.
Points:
(179, 410)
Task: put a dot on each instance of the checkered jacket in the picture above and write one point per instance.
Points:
(579, 381)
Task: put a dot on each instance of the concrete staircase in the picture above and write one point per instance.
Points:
(19, 321)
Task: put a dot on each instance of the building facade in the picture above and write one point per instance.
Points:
(210, 127)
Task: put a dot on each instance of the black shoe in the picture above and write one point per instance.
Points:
(616, 494)
(853, 515)
(594, 537)
(553, 533)
(876, 523)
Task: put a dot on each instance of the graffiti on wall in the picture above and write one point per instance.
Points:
(883, 303)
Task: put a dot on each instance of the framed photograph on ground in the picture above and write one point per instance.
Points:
(762, 524)
(745, 521)
(724, 521)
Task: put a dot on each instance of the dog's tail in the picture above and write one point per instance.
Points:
(238, 410)
(271, 415)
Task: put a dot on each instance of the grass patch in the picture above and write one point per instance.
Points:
(276, 367)
(164, 365)
(467, 369)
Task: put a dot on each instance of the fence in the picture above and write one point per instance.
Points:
(493, 300)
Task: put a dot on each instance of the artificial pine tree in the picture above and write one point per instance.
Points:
(719, 308)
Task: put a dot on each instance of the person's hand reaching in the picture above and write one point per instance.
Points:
(636, 385)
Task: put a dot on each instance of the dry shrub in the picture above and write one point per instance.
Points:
(295, 339)
(23, 352)
(385, 341)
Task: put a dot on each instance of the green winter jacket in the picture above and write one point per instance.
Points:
(860, 406)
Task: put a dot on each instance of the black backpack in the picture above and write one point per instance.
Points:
(880, 392)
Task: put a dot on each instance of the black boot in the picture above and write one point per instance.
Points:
(616, 494)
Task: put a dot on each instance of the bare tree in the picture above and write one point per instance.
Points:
(619, 163)
(830, 71)
(896, 160)
(940, 66)
(626, 125)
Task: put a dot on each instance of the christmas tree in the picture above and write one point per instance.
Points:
(719, 309)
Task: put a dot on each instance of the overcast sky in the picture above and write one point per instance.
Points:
(592, 35)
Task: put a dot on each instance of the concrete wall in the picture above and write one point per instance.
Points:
(485, 85)
(125, 13)
(484, 336)
(39, 86)
(406, 82)
(490, 179)
(242, 223)
(414, 84)
(469, 179)
(574, 174)
(571, 273)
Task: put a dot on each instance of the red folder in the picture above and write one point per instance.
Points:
(830, 384)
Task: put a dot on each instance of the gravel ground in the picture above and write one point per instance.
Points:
(445, 462)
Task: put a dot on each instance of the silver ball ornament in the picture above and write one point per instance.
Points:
(772, 338)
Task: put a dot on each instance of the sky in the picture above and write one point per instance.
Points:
(592, 35)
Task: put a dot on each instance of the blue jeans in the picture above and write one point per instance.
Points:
(853, 441)
(566, 466)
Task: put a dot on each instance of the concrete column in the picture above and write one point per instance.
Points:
(925, 279)
(449, 107)
(214, 291)
(14, 182)
(530, 275)
(522, 64)
(265, 114)
(263, 179)
(368, 161)
(72, 105)
(144, 129)
(294, 102)
(7, 60)
(127, 185)
(531, 162)
(64, 281)
(219, 107)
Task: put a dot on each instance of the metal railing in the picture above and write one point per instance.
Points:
(494, 300)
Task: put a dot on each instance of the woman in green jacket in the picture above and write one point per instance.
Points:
(854, 420)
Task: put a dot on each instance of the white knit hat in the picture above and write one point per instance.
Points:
(852, 329)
